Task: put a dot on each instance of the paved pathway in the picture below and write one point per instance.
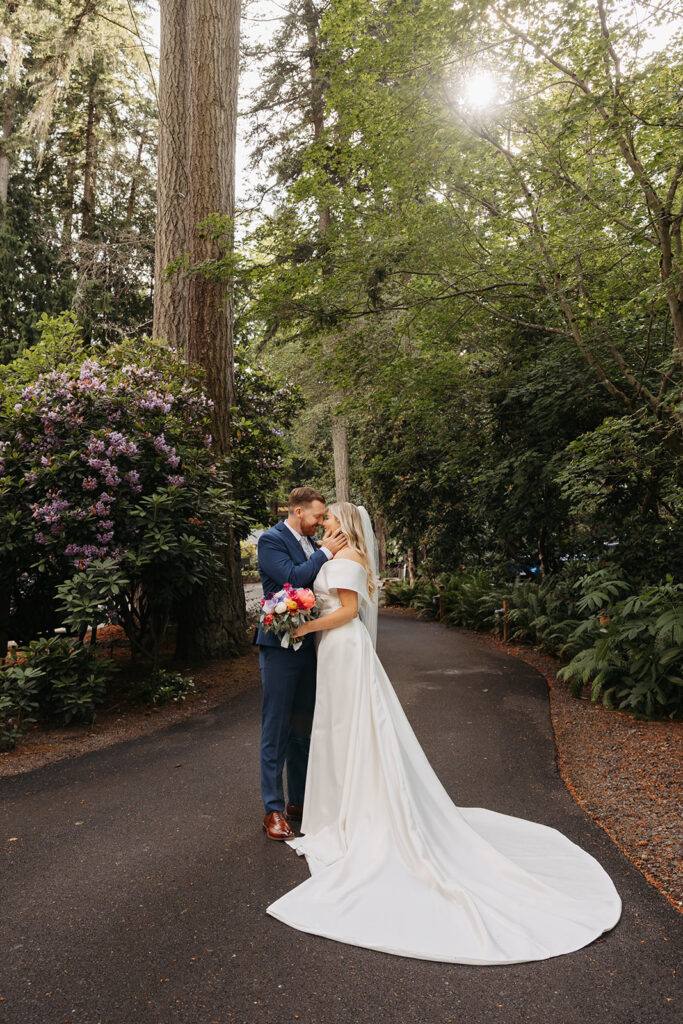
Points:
(135, 890)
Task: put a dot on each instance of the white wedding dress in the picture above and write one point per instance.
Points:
(395, 865)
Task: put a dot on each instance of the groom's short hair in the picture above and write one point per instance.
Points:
(304, 496)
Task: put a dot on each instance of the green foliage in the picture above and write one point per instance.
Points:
(632, 649)
(67, 680)
(469, 598)
(546, 612)
(60, 344)
(482, 283)
(398, 594)
(19, 700)
(167, 687)
(623, 482)
(31, 272)
(265, 406)
(107, 460)
(624, 643)
(79, 124)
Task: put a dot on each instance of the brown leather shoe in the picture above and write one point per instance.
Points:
(294, 812)
(275, 826)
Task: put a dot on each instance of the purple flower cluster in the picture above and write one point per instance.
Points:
(51, 514)
(164, 449)
(133, 480)
(101, 507)
(76, 437)
(154, 402)
(84, 554)
(120, 445)
(91, 377)
(116, 444)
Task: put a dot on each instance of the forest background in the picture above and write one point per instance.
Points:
(457, 296)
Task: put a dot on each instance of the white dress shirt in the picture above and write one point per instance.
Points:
(306, 543)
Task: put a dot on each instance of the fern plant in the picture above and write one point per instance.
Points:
(398, 594)
(633, 659)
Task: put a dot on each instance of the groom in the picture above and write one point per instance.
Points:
(289, 553)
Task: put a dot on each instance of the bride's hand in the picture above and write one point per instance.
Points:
(301, 632)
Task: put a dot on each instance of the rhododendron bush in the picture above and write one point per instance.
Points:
(108, 459)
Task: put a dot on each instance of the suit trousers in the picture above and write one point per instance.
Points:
(288, 679)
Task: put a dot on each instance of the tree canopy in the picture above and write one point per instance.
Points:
(462, 241)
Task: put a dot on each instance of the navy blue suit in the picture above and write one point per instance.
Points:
(288, 676)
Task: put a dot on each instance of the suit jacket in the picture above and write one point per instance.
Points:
(281, 559)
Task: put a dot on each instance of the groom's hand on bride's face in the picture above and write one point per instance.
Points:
(334, 541)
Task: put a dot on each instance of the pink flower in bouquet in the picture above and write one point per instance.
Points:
(268, 620)
(305, 598)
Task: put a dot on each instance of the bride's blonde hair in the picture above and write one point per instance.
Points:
(352, 528)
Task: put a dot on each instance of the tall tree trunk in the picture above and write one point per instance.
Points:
(212, 625)
(7, 124)
(340, 442)
(340, 449)
(170, 297)
(67, 225)
(381, 534)
(4, 180)
(90, 166)
(411, 566)
(209, 338)
(130, 206)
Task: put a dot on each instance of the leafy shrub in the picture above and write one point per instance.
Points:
(543, 613)
(470, 598)
(631, 650)
(167, 687)
(18, 700)
(398, 593)
(109, 459)
(626, 645)
(90, 595)
(467, 599)
(425, 599)
(623, 484)
(263, 412)
(67, 680)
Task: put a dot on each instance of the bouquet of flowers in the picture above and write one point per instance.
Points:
(284, 612)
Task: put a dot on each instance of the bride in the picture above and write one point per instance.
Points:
(395, 865)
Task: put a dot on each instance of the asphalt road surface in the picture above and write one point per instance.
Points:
(136, 885)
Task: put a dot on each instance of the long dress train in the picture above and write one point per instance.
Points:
(395, 865)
